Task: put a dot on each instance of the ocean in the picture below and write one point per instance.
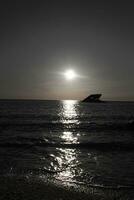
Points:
(68, 142)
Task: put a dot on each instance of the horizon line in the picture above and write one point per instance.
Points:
(37, 99)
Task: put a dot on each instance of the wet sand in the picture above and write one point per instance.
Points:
(18, 188)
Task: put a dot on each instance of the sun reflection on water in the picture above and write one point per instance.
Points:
(68, 115)
(70, 162)
(68, 137)
(69, 111)
(63, 163)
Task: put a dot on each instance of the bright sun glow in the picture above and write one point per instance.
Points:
(70, 74)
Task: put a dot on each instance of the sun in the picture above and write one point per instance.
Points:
(70, 74)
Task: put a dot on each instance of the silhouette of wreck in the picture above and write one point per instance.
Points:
(93, 98)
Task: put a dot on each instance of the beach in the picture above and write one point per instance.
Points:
(14, 188)
(66, 150)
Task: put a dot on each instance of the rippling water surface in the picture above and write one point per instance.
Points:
(68, 141)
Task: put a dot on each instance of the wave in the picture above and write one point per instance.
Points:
(109, 146)
(86, 126)
(100, 186)
(23, 177)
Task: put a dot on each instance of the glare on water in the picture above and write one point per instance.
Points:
(69, 156)
(70, 163)
(68, 113)
(68, 137)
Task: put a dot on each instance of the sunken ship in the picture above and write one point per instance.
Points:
(95, 98)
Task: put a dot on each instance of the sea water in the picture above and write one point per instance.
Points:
(71, 142)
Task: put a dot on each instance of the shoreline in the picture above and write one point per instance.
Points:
(18, 187)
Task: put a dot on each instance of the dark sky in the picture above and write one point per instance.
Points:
(39, 40)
